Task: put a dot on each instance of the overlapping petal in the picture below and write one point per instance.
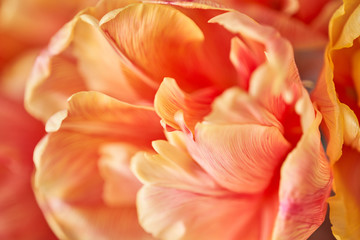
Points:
(305, 185)
(173, 214)
(337, 97)
(87, 154)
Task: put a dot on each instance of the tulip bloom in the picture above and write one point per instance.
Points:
(112, 61)
(252, 168)
(337, 97)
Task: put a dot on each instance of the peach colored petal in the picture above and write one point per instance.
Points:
(305, 185)
(75, 61)
(172, 214)
(97, 114)
(69, 189)
(236, 106)
(169, 99)
(283, 82)
(242, 158)
(86, 155)
(114, 169)
(92, 222)
(344, 206)
(173, 168)
(51, 83)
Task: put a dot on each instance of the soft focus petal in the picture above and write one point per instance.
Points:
(75, 61)
(298, 32)
(120, 183)
(86, 155)
(69, 190)
(345, 210)
(305, 184)
(29, 24)
(20, 213)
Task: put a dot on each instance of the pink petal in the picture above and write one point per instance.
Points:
(242, 158)
(305, 185)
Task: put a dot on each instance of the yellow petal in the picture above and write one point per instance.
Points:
(345, 205)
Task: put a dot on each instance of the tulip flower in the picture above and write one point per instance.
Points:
(336, 96)
(123, 51)
(252, 168)
(242, 133)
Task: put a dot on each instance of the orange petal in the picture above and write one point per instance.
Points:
(154, 22)
(173, 214)
(305, 185)
(185, 44)
(169, 99)
(242, 158)
(97, 114)
(344, 206)
(75, 61)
